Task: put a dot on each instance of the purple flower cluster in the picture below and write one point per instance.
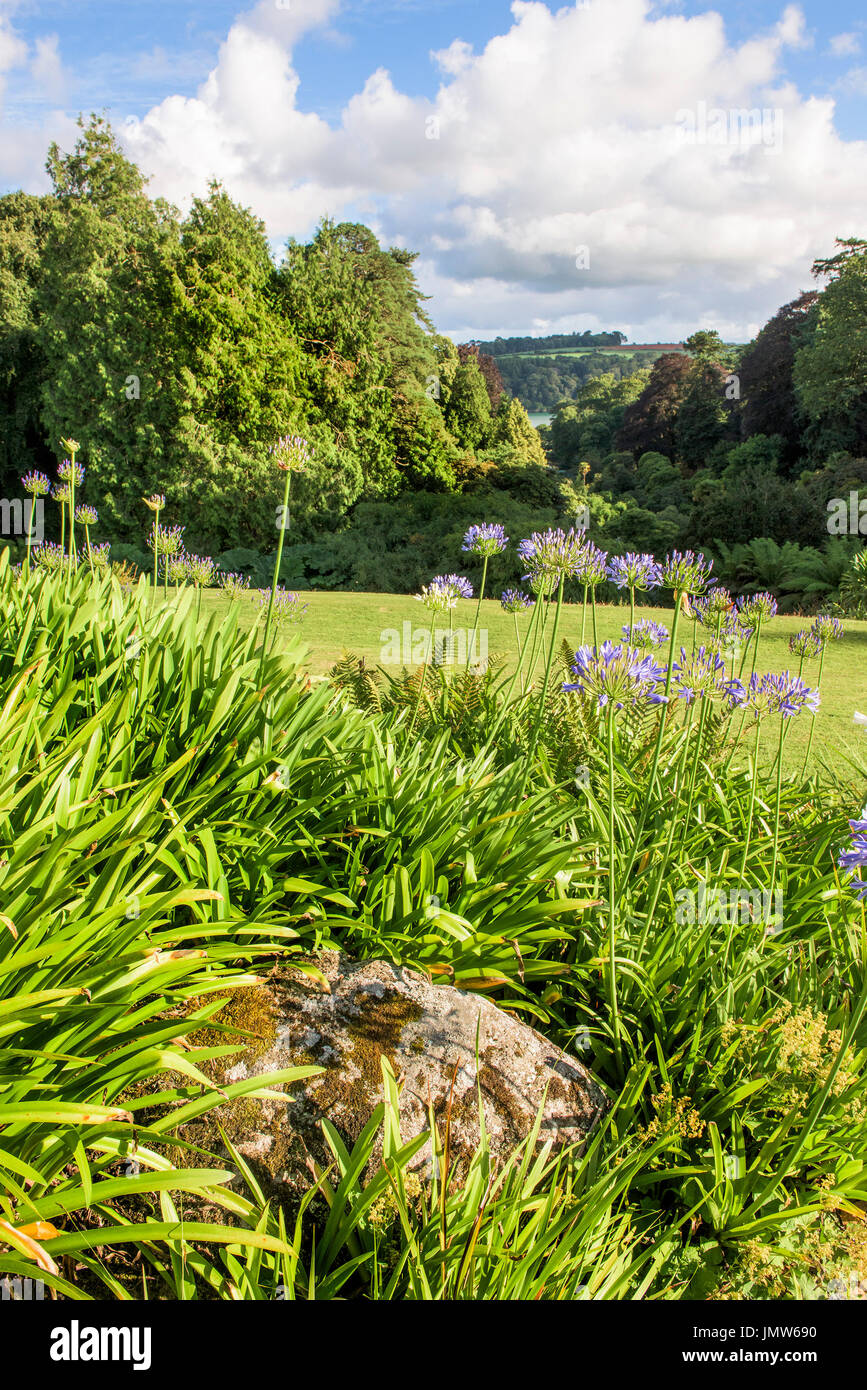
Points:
(233, 584)
(514, 601)
(37, 484)
(200, 570)
(291, 453)
(593, 566)
(757, 608)
(288, 607)
(783, 694)
(98, 554)
(707, 609)
(701, 673)
(49, 556)
(86, 516)
(856, 857)
(554, 554)
(826, 629)
(805, 643)
(70, 472)
(456, 584)
(686, 573)
(485, 540)
(645, 635)
(617, 675)
(634, 571)
(166, 540)
(437, 597)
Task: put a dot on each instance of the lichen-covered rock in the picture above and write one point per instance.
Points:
(429, 1034)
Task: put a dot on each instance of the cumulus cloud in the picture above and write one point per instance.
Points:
(611, 164)
(844, 45)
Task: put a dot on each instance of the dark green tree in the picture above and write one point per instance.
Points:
(468, 414)
(830, 371)
(103, 330)
(237, 376)
(24, 222)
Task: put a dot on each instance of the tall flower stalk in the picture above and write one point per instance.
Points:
(72, 473)
(823, 630)
(155, 503)
(87, 517)
(37, 486)
(687, 575)
(484, 541)
(633, 571)
(437, 597)
(612, 678)
(292, 454)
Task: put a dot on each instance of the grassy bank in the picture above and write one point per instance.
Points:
(360, 623)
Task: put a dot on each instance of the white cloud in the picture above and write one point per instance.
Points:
(567, 130)
(854, 82)
(792, 28)
(844, 45)
(13, 52)
(46, 68)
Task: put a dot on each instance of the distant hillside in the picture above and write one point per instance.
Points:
(543, 371)
(556, 342)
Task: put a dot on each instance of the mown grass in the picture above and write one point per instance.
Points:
(337, 623)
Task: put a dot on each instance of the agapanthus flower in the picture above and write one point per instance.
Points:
(555, 553)
(156, 501)
(291, 453)
(166, 540)
(826, 629)
(708, 608)
(634, 571)
(755, 608)
(805, 643)
(645, 635)
(687, 573)
(37, 484)
(71, 446)
(437, 597)
(733, 630)
(86, 516)
(288, 607)
(786, 694)
(200, 570)
(617, 675)
(99, 554)
(856, 857)
(592, 566)
(542, 584)
(70, 472)
(49, 556)
(457, 584)
(61, 493)
(701, 673)
(736, 693)
(234, 584)
(485, 540)
(174, 568)
(514, 601)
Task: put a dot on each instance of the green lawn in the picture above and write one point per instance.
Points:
(348, 622)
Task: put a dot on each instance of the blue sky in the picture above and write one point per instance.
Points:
(129, 56)
(556, 132)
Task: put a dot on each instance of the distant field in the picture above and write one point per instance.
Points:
(649, 353)
(341, 622)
